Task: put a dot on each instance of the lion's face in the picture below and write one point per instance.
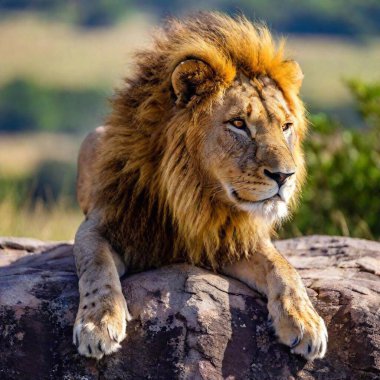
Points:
(249, 148)
(246, 141)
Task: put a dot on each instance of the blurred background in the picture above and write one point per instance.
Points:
(60, 60)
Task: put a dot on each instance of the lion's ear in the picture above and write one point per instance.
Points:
(297, 74)
(191, 78)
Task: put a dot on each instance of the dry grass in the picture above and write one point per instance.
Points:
(58, 223)
(21, 154)
(65, 56)
(327, 61)
(61, 55)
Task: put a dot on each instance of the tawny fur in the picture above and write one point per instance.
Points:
(147, 183)
(173, 178)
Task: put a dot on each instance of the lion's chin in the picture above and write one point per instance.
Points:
(273, 209)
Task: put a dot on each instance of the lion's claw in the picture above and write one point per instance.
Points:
(99, 331)
(295, 342)
(299, 326)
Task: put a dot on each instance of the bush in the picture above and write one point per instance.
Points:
(368, 102)
(342, 192)
(53, 181)
(50, 183)
(26, 106)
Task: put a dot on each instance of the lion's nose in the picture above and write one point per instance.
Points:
(279, 177)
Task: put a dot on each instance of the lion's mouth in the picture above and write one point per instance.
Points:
(238, 198)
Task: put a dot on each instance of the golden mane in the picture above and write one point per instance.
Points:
(147, 186)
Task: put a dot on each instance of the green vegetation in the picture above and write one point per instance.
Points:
(368, 103)
(340, 17)
(341, 196)
(26, 106)
(96, 13)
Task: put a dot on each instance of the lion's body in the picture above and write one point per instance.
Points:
(200, 158)
(153, 203)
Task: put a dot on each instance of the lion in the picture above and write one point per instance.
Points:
(199, 162)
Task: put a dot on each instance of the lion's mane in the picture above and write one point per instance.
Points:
(150, 196)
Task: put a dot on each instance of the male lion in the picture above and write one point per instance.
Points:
(200, 159)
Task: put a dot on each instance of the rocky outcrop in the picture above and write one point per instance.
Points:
(190, 323)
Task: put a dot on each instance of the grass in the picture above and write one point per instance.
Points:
(64, 56)
(20, 155)
(54, 53)
(327, 62)
(57, 223)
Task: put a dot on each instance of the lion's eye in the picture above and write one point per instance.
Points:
(287, 127)
(238, 123)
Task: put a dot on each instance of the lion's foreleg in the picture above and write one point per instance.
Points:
(294, 318)
(101, 319)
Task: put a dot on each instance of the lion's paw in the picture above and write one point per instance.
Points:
(299, 326)
(100, 325)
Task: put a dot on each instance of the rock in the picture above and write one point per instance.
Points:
(190, 323)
